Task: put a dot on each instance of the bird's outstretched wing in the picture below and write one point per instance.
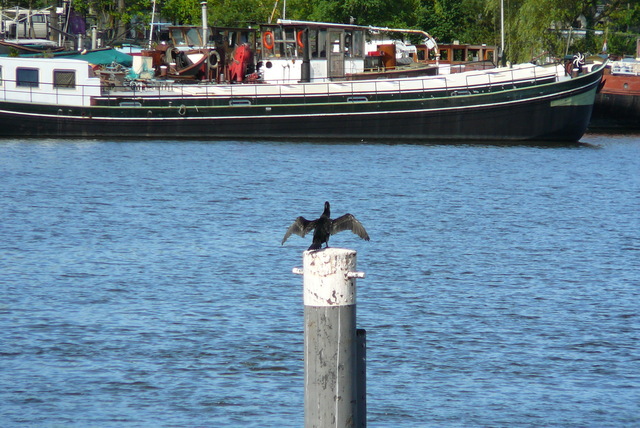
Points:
(300, 227)
(349, 222)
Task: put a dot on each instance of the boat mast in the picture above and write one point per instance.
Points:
(502, 31)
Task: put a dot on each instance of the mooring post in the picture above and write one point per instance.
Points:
(330, 342)
(361, 367)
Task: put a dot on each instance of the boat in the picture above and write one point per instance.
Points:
(297, 83)
(617, 105)
(58, 97)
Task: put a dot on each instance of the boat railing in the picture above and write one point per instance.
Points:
(354, 91)
(501, 78)
(629, 68)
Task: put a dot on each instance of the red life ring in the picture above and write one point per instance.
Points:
(299, 38)
(267, 40)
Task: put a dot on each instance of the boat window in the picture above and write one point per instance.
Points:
(272, 42)
(313, 43)
(348, 42)
(0, 75)
(354, 44)
(322, 43)
(27, 77)
(489, 55)
(358, 44)
(193, 37)
(64, 79)
(176, 36)
(280, 42)
(289, 43)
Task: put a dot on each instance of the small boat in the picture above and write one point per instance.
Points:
(617, 105)
(59, 97)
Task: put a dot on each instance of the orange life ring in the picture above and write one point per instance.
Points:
(268, 40)
(299, 38)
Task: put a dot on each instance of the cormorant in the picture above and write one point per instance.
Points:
(324, 227)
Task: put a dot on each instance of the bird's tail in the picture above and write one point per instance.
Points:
(315, 246)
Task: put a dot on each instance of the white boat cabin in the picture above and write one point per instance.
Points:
(334, 50)
(47, 81)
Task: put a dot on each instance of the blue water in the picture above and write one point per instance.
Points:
(144, 284)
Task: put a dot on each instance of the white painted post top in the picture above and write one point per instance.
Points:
(329, 277)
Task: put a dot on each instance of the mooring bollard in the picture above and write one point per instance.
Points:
(331, 396)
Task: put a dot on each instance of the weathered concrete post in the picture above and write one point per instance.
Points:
(330, 343)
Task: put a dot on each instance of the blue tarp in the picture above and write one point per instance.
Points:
(97, 57)
(101, 57)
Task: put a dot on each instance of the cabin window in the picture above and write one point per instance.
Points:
(64, 79)
(289, 43)
(322, 43)
(313, 43)
(281, 42)
(27, 77)
(193, 37)
(348, 44)
(0, 76)
(354, 43)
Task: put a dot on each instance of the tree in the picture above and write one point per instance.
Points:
(535, 27)
(467, 21)
(382, 13)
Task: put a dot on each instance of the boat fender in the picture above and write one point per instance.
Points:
(268, 40)
(182, 110)
(299, 38)
(214, 59)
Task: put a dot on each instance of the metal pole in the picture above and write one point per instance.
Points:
(153, 17)
(502, 26)
(330, 342)
(205, 25)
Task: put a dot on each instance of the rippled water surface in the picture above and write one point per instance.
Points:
(144, 284)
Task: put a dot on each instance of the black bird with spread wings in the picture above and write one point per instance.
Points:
(324, 227)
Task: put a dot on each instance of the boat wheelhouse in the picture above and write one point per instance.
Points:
(306, 51)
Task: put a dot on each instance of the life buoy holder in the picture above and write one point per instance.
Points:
(268, 40)
(214, 59)
(299, 38)
(182, 110)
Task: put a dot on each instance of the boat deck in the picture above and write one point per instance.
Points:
(459, 83)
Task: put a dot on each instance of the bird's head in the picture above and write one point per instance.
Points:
(327, 209)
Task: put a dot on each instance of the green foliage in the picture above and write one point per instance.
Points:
(237, 13)
(532, 27)
(180, 11)
(466, 21)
